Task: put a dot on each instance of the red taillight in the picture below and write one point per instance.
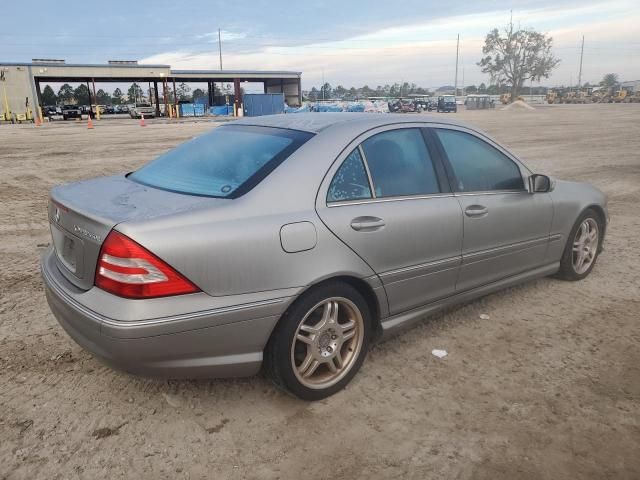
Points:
(129, 270)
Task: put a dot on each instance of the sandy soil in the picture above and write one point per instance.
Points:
(548, 387)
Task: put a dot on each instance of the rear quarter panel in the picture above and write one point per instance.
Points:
(238, 250)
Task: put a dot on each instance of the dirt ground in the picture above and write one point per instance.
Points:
(547, 387)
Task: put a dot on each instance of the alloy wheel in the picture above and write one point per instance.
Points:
(585, 245)
(327, 343)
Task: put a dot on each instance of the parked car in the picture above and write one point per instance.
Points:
(293, 242)
(423, 103)
(447, 103)
(404, 105)
(50, 111)
(109, 109)
(71, 111)
(123, 108)
(139, 109)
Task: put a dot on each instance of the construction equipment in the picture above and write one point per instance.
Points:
(505, 98)
(632, 97)
(552, 97)
(601, 95)
(577, 96)
(620, 96)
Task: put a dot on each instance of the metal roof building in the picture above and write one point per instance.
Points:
(21, 92)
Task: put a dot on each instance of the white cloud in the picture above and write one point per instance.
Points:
(225, 36)
(425, 53)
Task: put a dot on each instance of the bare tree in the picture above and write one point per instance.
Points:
(516, 56)
(610, 80)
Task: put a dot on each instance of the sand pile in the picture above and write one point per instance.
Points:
(518, 105)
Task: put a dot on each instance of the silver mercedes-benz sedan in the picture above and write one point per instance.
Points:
(292, 242)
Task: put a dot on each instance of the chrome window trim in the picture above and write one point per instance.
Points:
(397, 125)
(366, 168)
(389, 199)
(490, 192)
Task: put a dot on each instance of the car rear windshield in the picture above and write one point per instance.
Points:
(226, 162)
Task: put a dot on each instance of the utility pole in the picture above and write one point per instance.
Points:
(580, 72)
(322, 88)
(220, 48)
(455, 84)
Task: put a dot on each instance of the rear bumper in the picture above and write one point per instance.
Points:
(221, 342)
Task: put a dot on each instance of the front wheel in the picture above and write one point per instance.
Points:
(583, 247)
(320, 342)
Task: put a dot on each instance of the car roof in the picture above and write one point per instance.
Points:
(316, 122)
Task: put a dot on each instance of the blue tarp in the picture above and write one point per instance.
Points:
(186, 110)
(355, 107)
(324, 107)
(191, 110)
(304, 108)
(221, 110)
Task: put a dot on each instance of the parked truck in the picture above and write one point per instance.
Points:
(139, 109)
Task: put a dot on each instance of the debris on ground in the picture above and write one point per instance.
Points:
(107, 431)
(65, 356)
(218, 427)
(24, 425)
(173, 400)
(484, 316)
(439, 353)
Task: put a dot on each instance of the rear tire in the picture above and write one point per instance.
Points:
(320, 342)
(583, 246)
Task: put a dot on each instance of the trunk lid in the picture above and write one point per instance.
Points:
(82, 214)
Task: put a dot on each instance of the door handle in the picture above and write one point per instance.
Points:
(367, 224)
(476, 211)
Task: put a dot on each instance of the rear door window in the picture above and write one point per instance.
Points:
(478, 166)
(226, 163)
(400, 164)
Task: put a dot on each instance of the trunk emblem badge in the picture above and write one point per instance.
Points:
(86, 233)
(57, 215)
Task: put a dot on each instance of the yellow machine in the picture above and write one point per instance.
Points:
(573, 97)
(632, 97)
(620, 96)
(601, 95)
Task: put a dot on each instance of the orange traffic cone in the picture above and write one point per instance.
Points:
(38, 122)
(89, 123)
(142, 124)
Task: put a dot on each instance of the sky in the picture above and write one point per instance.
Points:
(349, 43)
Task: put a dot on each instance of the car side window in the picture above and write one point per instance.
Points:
(478, 166)
(350, 181)
(400, 164)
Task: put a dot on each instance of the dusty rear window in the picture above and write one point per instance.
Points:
(226, 162)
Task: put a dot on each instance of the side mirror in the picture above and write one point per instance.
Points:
(539, 183)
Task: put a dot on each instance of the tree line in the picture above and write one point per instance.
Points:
(135, 94)
(327, 92)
